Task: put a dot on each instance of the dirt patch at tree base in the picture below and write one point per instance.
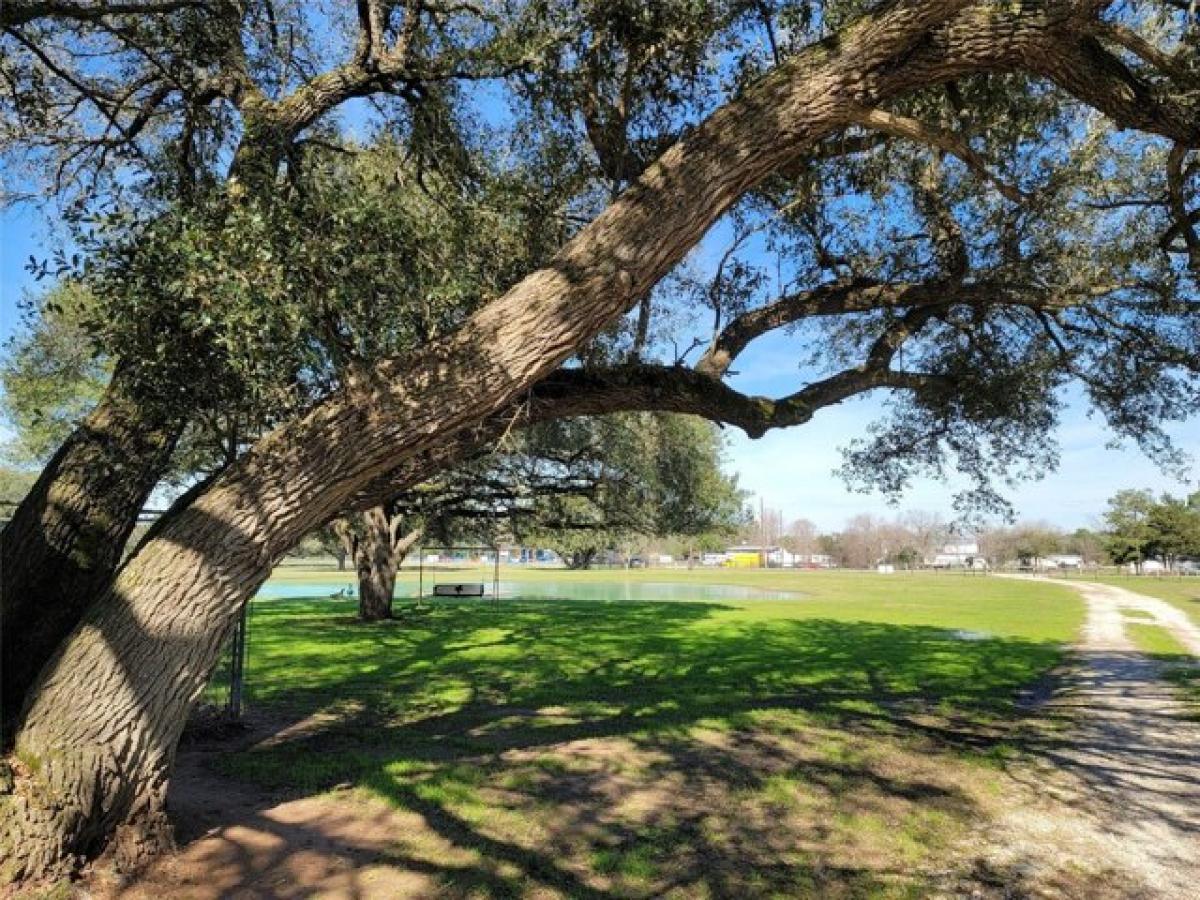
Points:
(813, 813)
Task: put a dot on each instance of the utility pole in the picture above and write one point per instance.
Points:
(762, 533)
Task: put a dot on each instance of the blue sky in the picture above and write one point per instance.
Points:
(793, 470)
(21, 234)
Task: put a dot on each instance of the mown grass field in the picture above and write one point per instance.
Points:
(838, 743)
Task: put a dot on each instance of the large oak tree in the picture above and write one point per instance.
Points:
(1001, 239)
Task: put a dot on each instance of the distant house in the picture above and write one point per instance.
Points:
(1063, 561)
(959, 555)
(1158, 567)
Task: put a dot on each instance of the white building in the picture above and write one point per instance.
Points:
(959, 555)
(812, 561)
(778, 558)
(1063, 561)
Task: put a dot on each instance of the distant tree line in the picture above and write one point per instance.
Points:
(1141, 528)
(1136, 527)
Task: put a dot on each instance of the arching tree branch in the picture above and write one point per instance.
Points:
(21, 12)
(1184, 219)
(941, 139)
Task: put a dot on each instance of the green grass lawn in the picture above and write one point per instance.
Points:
(835, 744)
(1155, 640)
(1002, 607)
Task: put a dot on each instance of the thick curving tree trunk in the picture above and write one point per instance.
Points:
(59, 552)
(66, 538)
(99, 738)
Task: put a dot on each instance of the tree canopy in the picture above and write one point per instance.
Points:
(1141, 527)
(976, 247)
(51, 377)
(970, 206)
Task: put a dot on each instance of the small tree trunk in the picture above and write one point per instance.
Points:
(375, 560)
(642, 331)
(66, 538)
(581, 559)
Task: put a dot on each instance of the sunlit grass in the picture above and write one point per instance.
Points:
(1036, 610)
(1179, 665)
(1155, 640)
(832, 743)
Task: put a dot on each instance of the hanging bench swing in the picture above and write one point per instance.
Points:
(477, 589)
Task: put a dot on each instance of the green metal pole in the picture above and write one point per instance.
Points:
(237, 668)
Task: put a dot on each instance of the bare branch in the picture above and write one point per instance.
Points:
(1081, 65)
(1171, 66)
(866, 295)
(21, 12)
(941, 139)
(1184, 219)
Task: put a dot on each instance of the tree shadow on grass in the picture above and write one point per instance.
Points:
(461, 716)
(643, 659)
(333, 848)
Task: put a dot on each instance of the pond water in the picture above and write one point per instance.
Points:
(606, 591)
(961, 634)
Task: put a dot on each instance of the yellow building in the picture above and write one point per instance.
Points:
(746, 557)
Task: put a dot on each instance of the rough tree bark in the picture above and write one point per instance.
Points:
(64, 541)
(377, 548)
(375, 562)
(99, 737)
(66, 537)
